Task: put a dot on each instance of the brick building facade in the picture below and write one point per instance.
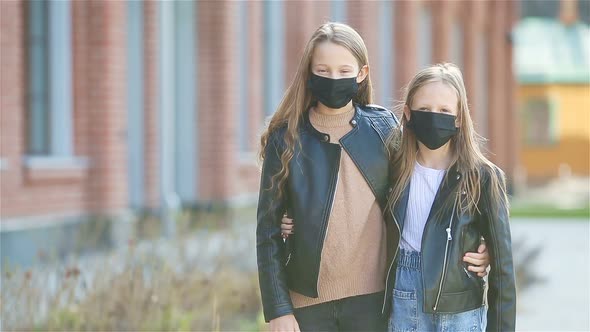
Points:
(113, 106)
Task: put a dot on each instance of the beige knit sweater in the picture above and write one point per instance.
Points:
(354, 254)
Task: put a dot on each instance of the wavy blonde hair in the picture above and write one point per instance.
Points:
(298, 99)
(465, 145)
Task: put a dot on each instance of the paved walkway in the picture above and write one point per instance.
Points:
(562, 301)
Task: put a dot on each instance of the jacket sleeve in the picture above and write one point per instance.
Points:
(502, 292)
(270, 246)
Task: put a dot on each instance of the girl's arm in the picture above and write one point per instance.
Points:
(270, 246)
(478, 261)
(502, 291)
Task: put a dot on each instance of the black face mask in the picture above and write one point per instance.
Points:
(432, 129)
(333, 93)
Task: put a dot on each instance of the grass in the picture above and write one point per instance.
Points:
(133, 300)
(139, 290)
(547, 211)
(147, 292)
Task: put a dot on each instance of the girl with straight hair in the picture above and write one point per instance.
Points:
(445, 196)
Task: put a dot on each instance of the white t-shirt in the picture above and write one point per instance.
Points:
(424, 184)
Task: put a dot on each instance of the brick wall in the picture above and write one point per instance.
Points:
(359, 14)
(302, 18)
(249, 169)
(255, 76)
(472, 16)
(498, 117)
(100, 97)
(406, 35)
(217, 99)
(11, 103)
(27, 190)
(80, 32)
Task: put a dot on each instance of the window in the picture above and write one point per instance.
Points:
(38, 117)
(186, 152)
(424, 37)
(338, 9)
(50, 79)
(273, 54)
(177, 105)
(135, 119)
(539, 122)
(457, 44)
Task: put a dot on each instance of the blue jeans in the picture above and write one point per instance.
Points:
(408, 300)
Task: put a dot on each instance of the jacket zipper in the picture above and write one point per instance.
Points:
(449, 239)
(391, 265)
(329, 213)
(467, 273)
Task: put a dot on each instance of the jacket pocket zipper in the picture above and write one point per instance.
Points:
(467, 273)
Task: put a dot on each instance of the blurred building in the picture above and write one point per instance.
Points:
(118, 107)
(552, 8)
(552, 64)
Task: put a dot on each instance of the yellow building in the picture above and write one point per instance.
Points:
(552, 64)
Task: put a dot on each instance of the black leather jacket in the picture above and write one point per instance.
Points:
(448, 286)
(309, 194)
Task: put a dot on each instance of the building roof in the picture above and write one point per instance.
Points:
(546, 51)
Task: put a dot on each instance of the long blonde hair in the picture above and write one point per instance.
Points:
(465, 145)
(298, 99)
